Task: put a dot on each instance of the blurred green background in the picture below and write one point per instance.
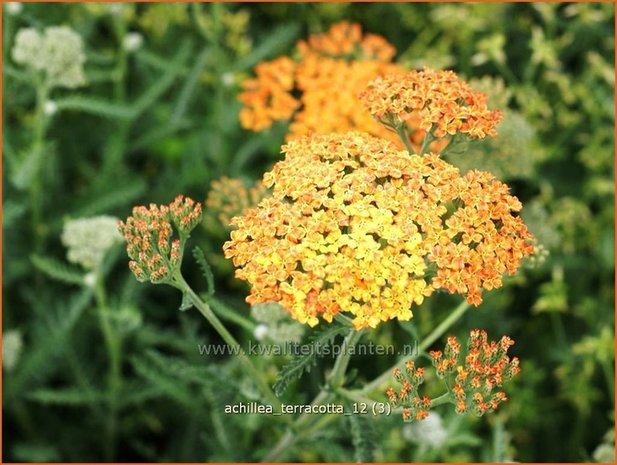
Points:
(158, 116)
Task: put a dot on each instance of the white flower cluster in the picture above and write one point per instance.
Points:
(429, 431)
(89, 239)
(14, 8)
(12, 345)
(132, 42)
(275, 324)
(57, 52)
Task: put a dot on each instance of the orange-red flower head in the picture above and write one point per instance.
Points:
(477, 375)
(319, 91)
(438, 102)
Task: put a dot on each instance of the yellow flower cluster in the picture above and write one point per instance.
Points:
(356, 225)
(438, 102)
(229, 197)
(319, 91)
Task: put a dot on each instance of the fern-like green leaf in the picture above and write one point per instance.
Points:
(156, 90)
(301, 364)
(163, 382)
(190, 85)
(57, 270)
(49, 345)
(68, 397)
(205, 269)
(96, 106)
(363, 437)
(102, 202)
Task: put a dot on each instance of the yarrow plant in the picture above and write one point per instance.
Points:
(302, 89)
(320, 91)
(353, 227)
(230, 197)
(57, 53)
(471, 380)
(485, 366)
(89, 239)
(437, 102)
(155, 252)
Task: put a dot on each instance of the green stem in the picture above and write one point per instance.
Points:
(425, 344)
(337, 376)
(428, 138)
(445, 398)
(220, 328)
(121, 60)
(401, 130)
(356, 396)
(116, 146)
(227, 313)
(113, 346)
(345, 320)
(334, 381)
(38, 146)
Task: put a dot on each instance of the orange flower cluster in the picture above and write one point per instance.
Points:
(438, 102)
(414, 406)
(356, 225)
(268, 97)
(345, 40)
(148, 233)
(320, 90)
(486, 367)
(229, 197)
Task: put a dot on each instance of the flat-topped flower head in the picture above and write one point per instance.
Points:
(318, 91)
(269, 96)
(356, 225)
(88, 239)
(229, 197)
(154, 251)
(345, 40)
(438, 102)
(57, 52)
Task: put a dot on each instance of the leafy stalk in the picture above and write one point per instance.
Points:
(114, 351)
(220, 328)
(298, 429)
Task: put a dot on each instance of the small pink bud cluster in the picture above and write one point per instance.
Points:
(154, 253)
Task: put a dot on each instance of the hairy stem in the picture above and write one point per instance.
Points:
(425, 344)
(38, 146)
(229, 314)
(428, 138)
(114, 353)
(401, 130)
(220, 328)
